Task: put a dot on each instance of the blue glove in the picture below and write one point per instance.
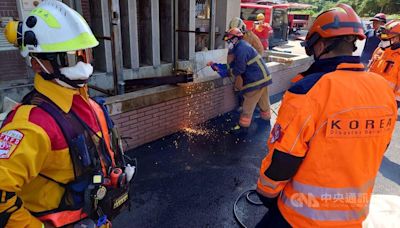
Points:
(221, 69)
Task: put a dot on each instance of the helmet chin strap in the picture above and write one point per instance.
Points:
(331, 47)
(75, 84)
(41, 64)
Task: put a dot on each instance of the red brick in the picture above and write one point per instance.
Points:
(172, 101)
(144, 118)
(144, 126)
(128, 114)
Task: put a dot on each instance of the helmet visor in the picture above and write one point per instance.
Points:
(72, 58)
(67, 59)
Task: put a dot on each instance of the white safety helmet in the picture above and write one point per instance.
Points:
(236, 22)
(51, 27)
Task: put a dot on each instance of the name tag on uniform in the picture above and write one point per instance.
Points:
(351, 128)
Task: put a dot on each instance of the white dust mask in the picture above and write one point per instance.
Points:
(81, 71)
(384, 44)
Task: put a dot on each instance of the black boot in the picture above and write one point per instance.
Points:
(239, 131)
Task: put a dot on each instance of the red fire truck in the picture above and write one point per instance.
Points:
(298, 20)
(275, 14)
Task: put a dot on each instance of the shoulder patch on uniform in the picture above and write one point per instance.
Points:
(276, 133)
(9, 141)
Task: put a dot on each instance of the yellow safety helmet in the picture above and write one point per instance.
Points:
(260, 17)
(390, 30)
(51, 27)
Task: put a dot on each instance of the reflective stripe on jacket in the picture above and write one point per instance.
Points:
(338, 125)
(251, 66)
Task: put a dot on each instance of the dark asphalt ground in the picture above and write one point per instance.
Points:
(188, 180)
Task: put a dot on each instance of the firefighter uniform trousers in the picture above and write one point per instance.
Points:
(251, 99)
(251, 67)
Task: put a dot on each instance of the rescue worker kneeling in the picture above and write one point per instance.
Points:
(388, 62)
(332, 130)
(60, 159)
(249, 65)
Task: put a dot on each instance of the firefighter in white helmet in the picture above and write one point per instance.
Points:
(57, 147)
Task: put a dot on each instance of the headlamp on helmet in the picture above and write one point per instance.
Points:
(13, 33)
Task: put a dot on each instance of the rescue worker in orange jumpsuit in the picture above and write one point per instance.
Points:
(57, 146)
(332, 130)
(388, 63)
(248, 64)
(263, 30)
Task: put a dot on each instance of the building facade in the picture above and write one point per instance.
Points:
(138, 38)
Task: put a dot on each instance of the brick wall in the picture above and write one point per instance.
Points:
(12, 65)
(156, 121)
(8, 8)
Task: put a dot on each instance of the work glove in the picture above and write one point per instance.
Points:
(268, 202)
(220, 68)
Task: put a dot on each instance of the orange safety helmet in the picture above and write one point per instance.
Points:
(233, 32)
(379, 17)
(390, 30)
(338, 21)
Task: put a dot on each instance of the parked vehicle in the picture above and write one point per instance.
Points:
(275, 14)
(297, 22)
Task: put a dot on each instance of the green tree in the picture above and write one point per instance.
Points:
(366, 8)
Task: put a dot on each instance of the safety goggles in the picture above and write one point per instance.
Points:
(387, 35)
(227, 37)
(72, 58)
(67, 59)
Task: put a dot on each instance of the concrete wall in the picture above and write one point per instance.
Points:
(282, 73)
(225, 11)
(101, 27)
(166, 30)
(144, 32)
(186, 21)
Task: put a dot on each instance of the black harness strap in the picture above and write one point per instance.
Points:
(6, 214)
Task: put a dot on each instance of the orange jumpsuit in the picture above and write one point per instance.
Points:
(388, 66)
(326, 147)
